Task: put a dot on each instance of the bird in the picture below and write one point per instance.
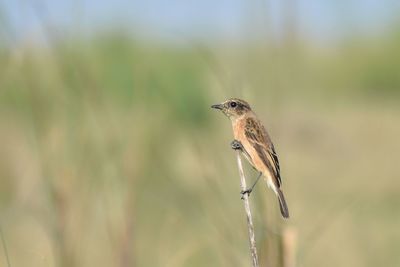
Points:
(256, 146)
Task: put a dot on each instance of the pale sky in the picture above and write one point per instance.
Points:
(203, 19)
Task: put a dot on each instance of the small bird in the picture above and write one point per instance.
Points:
(255, 143)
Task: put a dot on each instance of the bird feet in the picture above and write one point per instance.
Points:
(247, 191)
(236, 145)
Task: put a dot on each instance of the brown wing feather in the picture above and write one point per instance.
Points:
(259, 139)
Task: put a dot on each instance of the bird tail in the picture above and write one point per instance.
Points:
(282, 204)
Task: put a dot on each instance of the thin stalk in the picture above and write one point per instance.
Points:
(5, 247)
(250, 226)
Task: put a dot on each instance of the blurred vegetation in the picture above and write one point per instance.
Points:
(111, 156)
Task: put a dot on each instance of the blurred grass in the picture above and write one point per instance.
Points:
(111, 156)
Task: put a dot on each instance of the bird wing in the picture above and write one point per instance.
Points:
(259, 139)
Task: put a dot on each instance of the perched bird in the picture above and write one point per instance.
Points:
(256, 146)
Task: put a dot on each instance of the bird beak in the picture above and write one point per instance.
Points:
(218, 106)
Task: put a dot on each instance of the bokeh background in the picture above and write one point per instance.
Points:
(111, 156)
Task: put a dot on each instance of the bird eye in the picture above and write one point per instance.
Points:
(233, 104)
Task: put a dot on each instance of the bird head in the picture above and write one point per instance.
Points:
(233, 108)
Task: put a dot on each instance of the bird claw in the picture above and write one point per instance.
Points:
(247, 191)
(236, 145)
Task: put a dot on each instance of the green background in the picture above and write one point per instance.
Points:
(111, 156)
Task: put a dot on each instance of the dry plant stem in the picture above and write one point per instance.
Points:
(252, 240)
(5, 248)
